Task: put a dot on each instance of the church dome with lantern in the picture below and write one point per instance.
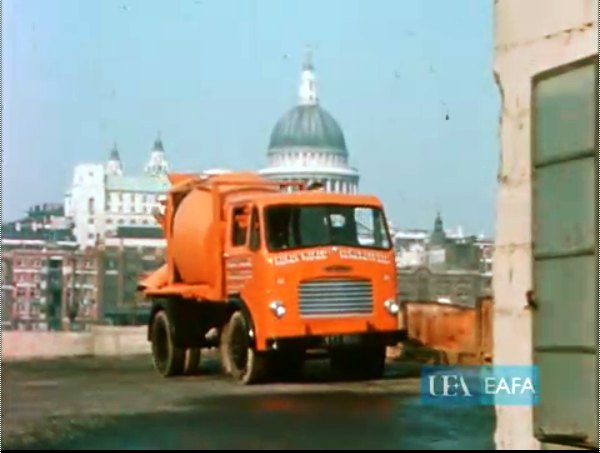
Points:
(307, 143)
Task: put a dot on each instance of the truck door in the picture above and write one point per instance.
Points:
(565, 253)
(238, 260)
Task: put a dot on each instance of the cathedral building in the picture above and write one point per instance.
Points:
(103, 198)
(307, 143)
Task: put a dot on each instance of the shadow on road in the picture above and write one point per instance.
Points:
(340, 421)
(317, 371)
(123, 404)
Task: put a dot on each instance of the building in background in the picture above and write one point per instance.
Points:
(42, 222)
(131, 254)
(486, 245)
(7, 293)
(442, 266)
(32, 285)
(102, 197)
(452, 286)
(308, 144)
(49, 282)
(35, 289)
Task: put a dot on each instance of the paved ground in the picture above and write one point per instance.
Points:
(123, 404)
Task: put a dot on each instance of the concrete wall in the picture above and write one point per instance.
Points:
(115, 341)
(100, 341)
(17, 345)
(530, 36)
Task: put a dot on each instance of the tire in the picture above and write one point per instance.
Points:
(192, 361)
(363, 363)
(168, 359)
(245, 364)
(223, 340)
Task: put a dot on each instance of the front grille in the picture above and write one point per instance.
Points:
(333, 297)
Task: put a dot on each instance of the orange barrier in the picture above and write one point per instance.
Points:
(459, 333)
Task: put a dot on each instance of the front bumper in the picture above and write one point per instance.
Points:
(326, 341)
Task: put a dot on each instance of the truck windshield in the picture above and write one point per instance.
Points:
(297, 226)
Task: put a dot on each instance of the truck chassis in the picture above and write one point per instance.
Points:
(178, 330)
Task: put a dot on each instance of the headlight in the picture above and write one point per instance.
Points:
(277, 308)
(392, 306)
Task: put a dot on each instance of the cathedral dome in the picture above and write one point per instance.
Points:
(307, 144)
(308, 126)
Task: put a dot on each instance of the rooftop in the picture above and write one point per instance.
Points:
(149, 184)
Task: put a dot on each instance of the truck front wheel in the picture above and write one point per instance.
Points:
(240, 358)
(168, 359)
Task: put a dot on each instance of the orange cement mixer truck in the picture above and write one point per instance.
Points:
(279, 272)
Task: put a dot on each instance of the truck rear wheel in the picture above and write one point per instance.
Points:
(359, 363)
(168, 359)
(239, 357)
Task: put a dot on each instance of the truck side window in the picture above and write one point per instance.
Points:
(255, 231)
(240, 227)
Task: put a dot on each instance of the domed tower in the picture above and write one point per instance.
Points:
(438, 235)
(157, 165)
(308, 144)
(114, 166)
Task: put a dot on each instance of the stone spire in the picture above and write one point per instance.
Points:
(438, 236)
(114, 166)
(157, 165)
(308, 86)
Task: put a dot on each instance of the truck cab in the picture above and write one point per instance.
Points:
(316, 271)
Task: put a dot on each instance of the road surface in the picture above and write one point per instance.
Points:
(122, 404)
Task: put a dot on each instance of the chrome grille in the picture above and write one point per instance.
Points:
(333, 297)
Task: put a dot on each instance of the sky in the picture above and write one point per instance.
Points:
(410, 82)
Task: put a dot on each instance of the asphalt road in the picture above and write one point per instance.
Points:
(124, 404)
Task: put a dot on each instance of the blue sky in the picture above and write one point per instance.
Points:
(215, 75)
